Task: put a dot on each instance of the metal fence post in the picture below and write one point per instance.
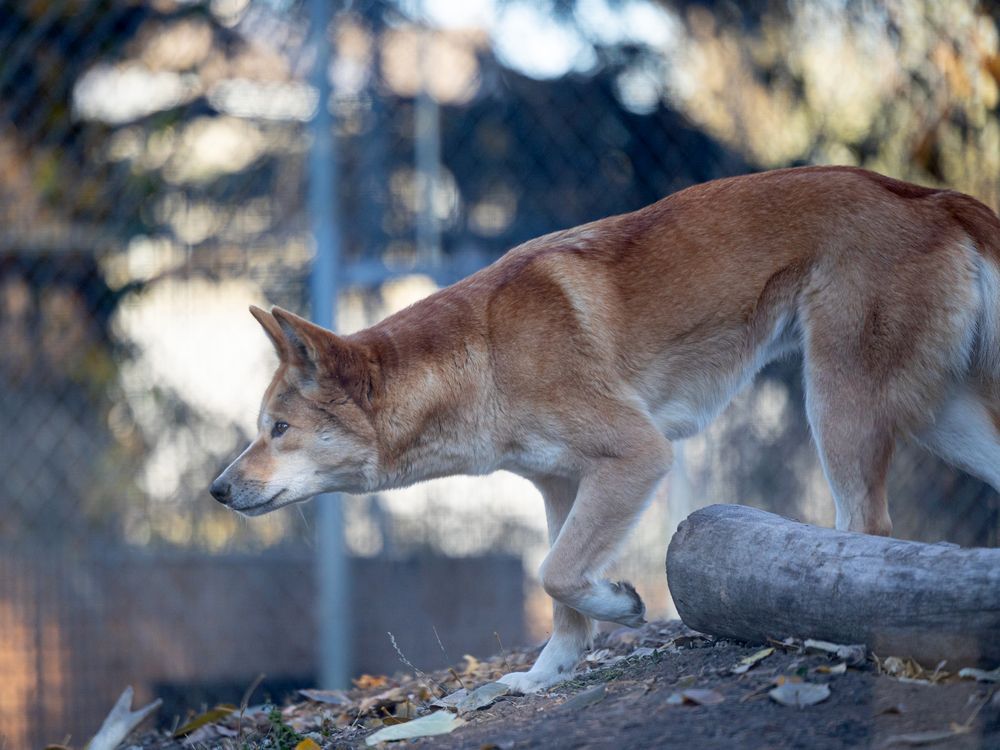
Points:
(332, 611)
(427, 153)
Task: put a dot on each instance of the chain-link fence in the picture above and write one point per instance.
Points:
(154, 180)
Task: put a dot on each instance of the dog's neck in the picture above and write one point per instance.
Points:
(437, 391)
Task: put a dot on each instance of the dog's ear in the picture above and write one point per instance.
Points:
(314, 350)
(273, 331)
(306, 345)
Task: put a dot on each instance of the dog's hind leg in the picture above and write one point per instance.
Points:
(572, 631)
(855, 444)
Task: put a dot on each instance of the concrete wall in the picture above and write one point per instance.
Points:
(195, 629)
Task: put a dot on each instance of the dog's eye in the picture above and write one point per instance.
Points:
(279, 429)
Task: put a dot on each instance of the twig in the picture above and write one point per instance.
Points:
(447, 658)
(441, 645)
(416, 671)
(246, 702)
(310, 538)
(972, 717)
(502, 652)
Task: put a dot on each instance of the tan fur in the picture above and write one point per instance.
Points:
(576, 358)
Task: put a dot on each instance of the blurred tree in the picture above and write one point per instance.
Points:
(171, 133)
(905, 88)
(909, 89)
(67, 206)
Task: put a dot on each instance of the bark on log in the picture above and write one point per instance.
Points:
(745, 574)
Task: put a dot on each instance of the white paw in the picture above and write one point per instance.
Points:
(531, 682)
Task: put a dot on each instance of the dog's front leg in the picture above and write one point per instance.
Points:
(611, 495)
(572, 631)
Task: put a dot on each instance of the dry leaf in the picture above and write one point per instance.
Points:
(894, 666)
(391, 721)
(308, 744)
(980, 674)
(838, 668)
(401, 713)
(641, 653)
(471, 663)
(750, 661)
(782, 679)
(440, 722)
(451, 700)
(483, 696)
(702, 696)
(367, 681)
(599, 655)
(799, 694)
(392, 695)
(854, 653)
(919, 739)
(218, 713)
(908, 670)
(586, 698)
(332, 697)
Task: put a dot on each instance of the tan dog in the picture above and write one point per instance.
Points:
(577, 357)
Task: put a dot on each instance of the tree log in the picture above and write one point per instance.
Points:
(741, 573)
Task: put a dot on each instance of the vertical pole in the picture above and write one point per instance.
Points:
(332, 626)
(427, 140)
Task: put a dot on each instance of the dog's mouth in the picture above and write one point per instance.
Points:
(265, 507)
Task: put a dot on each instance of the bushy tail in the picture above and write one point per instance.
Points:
(983, 227)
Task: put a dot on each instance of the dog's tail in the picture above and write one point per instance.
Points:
(982, 226)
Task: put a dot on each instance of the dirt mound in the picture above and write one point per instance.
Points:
(662, 686)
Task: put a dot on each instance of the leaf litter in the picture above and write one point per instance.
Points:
(622, 665)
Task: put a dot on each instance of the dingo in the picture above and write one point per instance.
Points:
(577, 357)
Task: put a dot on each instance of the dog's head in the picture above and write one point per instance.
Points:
(316, 429)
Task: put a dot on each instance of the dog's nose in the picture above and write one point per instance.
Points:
(221, 490)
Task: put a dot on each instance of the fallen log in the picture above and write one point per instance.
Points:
(749, 575)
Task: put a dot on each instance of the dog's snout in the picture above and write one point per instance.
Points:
(221, 490)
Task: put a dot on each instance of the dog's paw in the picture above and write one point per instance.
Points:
(635, 617)
(525, 683)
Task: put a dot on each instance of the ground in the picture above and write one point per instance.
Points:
(662, 686)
